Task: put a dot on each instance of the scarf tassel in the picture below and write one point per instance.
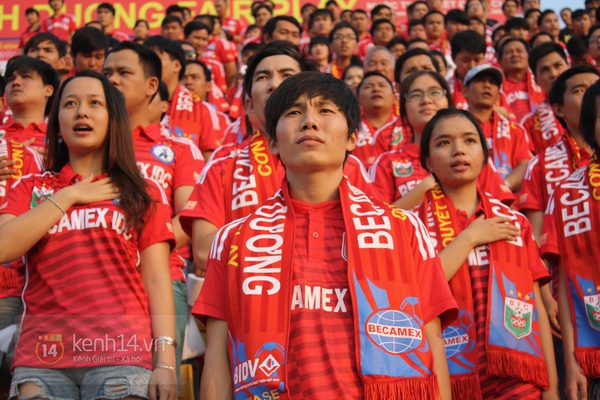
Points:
(466, 387)
(9, 278)
(589, 361)
(403, 389)
(506, 364)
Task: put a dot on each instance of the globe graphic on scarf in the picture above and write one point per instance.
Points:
(394, 331)
(454, 340)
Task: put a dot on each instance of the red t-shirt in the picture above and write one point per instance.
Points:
(28, 162)
(26, 35)
(232, 26)
(84, 300)
(364, 46)
(120, 36)
(395, 173)
(171, 163)
(234, 132)
(15, 131)
(517, 96)
(217, 72)
(321, 351)
(62, 26)
(372, 142)
(220, 50)
(493, 387)
(542, 127)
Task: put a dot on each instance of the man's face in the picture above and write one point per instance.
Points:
(346, 16)
(465, 60)
(322, 25)
(93, 60)
(335, 10)
(510, 9)
(125, 73)
(570, 110)
(419, 11)
(384, 13)
(172, 30)
(285, 30)
(565, 15)
(221, 8)
(381, 61)
(548, 68)
(582, 25)
(416, 63)
(32, 18)
(475, 9)
(376, 93)
(453, 27)
(199, 39)
(267, 77)
(477, 26)
(195, 80)
(483, 91)
(434, 27)
(528, 4)
(550, 25)
(56, 5)
(46, 51)
(383, 34)
(262, 16)
(417, 31)
(434, 5)
(307, 12)
(532, 21)
(514, 57)
(360, 22)
(25, 89)
(312, 136)
(397, 50)
(105, 17)
(519, 33)
(170, 68)
(344, 43)
(594, 44)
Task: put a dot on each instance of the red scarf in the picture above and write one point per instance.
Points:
(536, 93)
(513, 344)
(251, 177)
(183, 113)
(334, 69)
(580, 265)
(502, 145)
(382, 284)
(545, 130)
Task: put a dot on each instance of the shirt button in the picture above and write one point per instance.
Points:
(315, 235)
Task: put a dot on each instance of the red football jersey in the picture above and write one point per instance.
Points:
(233, 26)
(372, 142)
(120, 36)
(221, 50)
(62, 26)
(217, 72)
(26, 35)
(84, 300)
(171, 163)
(15, 131)
(542, 127)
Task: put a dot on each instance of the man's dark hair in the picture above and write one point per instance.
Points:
(252, 47)
(88, 39)
(592, 29)
(513, 1)
(587, 123)
(578, 14)
(276, 48)
(543, 15)
(171, 18)
(537, 35)
(319, 12)
(173, 8)
(339, 26)
(305, 6)
(195, 26)
(106, 6)
(396, 40)
(411, 6)
(557, 93)
(577, 46)
(429, 14)
(207, 74)
(542, 51)
(311, 85)
(32, 10)
(445, 114)
(531, 11)
(468, 40)
(378, 8)
(38, 38)
(498, 29)
(588, 2)
(163, 45)
(150, 62)
(207, 20)
(415, 22)
(408, 55)
(373, 73)
(516, 23)
(271, 24)
(511, 40)
(24, 64)
(260, 7)
(456, 15)
(434, 53)
(360, 11)
(381, 21)
(416, 40)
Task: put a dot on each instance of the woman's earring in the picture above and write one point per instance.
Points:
(60, 139)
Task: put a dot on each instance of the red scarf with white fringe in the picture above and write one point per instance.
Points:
(393, 356)
(251, 177)
(513, 347)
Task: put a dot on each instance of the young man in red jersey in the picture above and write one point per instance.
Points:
(33, 18)
(233, 26)
(174, 164)
(547, 61)
(106, 17)
(219, 49)
(188, 118)
(60, 24)
(325, 248)
(47, 47)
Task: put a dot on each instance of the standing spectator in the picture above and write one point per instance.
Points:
(106, 17)
(33, 19)
(567, 32)
(233, 26)
(581, 22)
(60, 24)
(141, 30)
(172, 27)
(282, 27)
(548, 22)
